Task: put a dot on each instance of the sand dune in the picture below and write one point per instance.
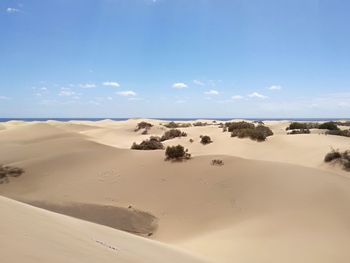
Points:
(32, 235)
(281, 201)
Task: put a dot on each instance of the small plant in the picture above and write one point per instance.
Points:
(340, 157)
(191, 140)
(205, 139)
(239, 125)
(153, 143)
(143, 125)
(301, 131)
(199, 123)
(174, 125)
(176, 153)
(173, 133)
(217, 162)
(9, 171)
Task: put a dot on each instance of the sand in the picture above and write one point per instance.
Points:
(274, 201)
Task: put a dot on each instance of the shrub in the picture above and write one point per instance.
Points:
(301, 131)
(343, 123)
(303, 126)
(259, 133)
(205, 139)
(152, 144)
(9, 171)
(173, 133)
(331, 156)
(191, 140)
(265, 130)
(173, 125)
(332, 126)
(143, 125)
(239, 125)
(345, 133)
(198, 123)
(176, 153)
(217, 162)
(342, 158)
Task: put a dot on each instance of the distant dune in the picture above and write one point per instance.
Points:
(273, 201)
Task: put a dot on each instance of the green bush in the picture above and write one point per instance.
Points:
(176, 153)
(174, 125)
(259, 133)
(332, 126)
(152, 144)
(171, 134)
(205, 139)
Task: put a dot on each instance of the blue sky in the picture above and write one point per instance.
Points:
(174, 58)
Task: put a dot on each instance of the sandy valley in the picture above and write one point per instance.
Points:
(85, 196)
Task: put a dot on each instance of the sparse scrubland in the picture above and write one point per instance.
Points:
(217, 162)
(152, 143)
(299, 131)
(313, 125)
(199, 123)
(345, 133)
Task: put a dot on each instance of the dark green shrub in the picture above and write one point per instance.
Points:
(152, 144)
(303, 126)
(191, 140)
(176, 153)
(264, 129)
(173, 133)
(332, 126)
(205, 139)
(173, 125)
(343, 123)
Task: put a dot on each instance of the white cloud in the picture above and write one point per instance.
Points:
(12, 10)
(128, 93)
(257, 95)
(179, 85)
(212, 92)
(66, 92)
(4, 98)
(88, 85)
(198, 82)
(237, 97)
(111, 84)
(275, 87)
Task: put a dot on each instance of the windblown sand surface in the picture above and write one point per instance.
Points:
(274, 201)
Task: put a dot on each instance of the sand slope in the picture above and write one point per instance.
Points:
(248, 210)
(31, 235)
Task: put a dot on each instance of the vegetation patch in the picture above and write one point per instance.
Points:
(205, 139)
(217, 162)
(302, 126)
(244, 129)
(176, 153)
(174, 125)
(199, 123)
(152, 143)
(331, 126)
(9, 171)
(173, 133)
(342, 158)
(345, 133)
(143, 125)
(301, 131)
